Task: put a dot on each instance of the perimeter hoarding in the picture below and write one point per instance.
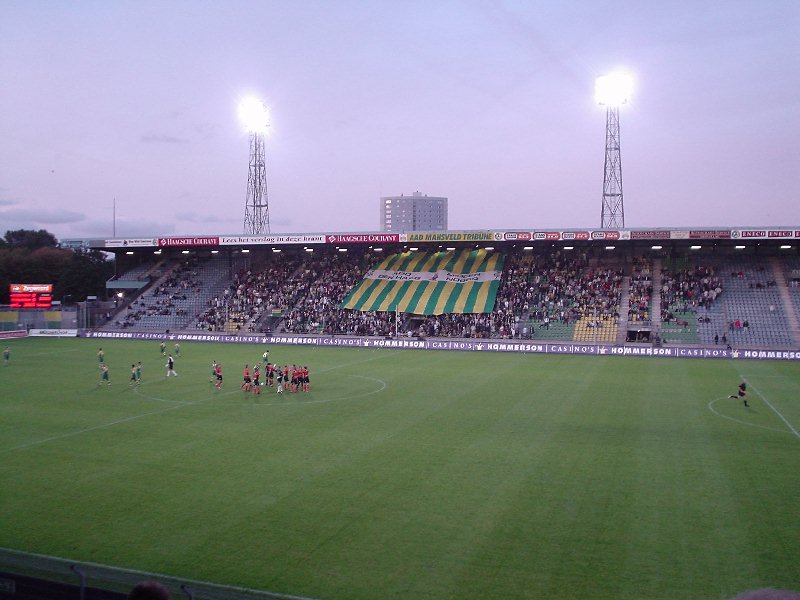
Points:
(532, 347)
(17, 333)
(53, 332)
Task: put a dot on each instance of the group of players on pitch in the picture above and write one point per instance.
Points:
(293, 379)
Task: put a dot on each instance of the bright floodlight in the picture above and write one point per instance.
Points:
(613, 89)
(253, 115)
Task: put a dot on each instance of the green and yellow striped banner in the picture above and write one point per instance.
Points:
(430, 283)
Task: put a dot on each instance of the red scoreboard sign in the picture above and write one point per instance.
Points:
(31, 295)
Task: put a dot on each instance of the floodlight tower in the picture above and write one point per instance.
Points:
(255, 119)
(611, 91)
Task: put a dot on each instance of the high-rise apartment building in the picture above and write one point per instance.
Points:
(417, 212)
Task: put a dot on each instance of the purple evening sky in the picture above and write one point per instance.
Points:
(488, 103)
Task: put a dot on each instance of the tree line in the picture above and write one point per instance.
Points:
(28, 256)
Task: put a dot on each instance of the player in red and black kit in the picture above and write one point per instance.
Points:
(256, 380)
(247, 384)
(218, 371)
(295, 378)
(287, 378)
(270, 374)
(306, 383)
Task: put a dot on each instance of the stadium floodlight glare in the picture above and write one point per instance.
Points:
(253, 115)
(786, 247)
(613, 89)
(739, 247)
(656, 247)
(255, 119)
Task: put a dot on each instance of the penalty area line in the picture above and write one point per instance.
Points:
(768, 403)
(776, 411)
(95, 428)
(719, 414)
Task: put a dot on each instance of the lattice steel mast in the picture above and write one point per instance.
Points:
(254, 117)
(611, 91)
(612, 214)
(256, 208)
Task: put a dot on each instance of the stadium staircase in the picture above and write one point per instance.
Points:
(781, 279)
(655, 297)
(624, 299)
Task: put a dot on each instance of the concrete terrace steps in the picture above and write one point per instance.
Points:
(655, 317)
(622, 324)
(786, 298)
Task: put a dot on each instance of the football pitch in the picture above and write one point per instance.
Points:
(406, 473)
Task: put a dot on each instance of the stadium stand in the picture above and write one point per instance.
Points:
(787, 273)
(573, 298)
(545, 295)
(688, 293)
(144, 271)
(317, 307)
(173, 301)
(753, 312)
(269, 286)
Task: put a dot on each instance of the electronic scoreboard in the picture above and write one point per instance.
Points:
(31, 295)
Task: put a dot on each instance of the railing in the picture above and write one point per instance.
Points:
(72, 579)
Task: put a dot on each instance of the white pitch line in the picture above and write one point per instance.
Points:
(95, 428)
(171, 408)
(719, 414)
(768, 403)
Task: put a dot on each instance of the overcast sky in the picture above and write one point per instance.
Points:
(487, 103)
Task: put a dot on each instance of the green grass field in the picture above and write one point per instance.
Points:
(407, 474)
